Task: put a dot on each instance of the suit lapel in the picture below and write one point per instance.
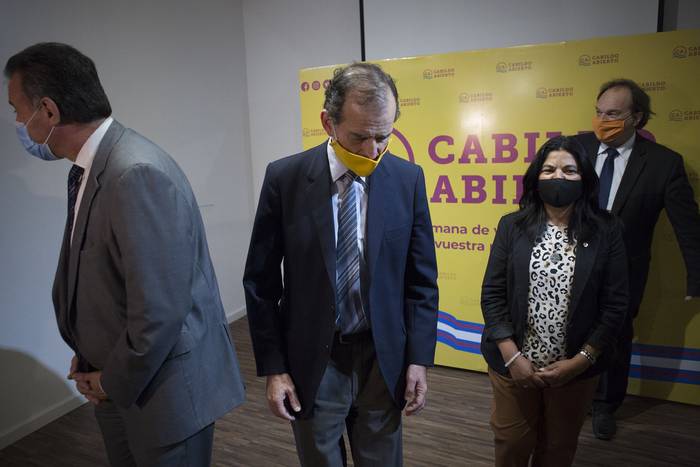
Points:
(92, 186)
(378, 205)
(585, 256)
(522, 252)
(318, 198)
(634, 168)
(60, 295)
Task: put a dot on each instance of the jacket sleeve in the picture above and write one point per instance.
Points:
(262, 281)
(421, 290)
(153, 230)
(494, 289)
(613, 298)
(682, 211)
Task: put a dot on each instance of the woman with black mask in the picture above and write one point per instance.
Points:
(554, 296)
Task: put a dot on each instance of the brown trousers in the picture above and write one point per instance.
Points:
(540, 423)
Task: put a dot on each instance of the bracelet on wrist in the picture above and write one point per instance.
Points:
(589, 356)
(513, 358)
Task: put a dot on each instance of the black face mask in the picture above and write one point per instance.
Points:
(559, 192)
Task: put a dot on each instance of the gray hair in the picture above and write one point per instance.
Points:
(366, 79)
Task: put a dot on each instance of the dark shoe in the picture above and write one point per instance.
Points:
(604, 425)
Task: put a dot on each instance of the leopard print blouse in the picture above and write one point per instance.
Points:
(551, 275)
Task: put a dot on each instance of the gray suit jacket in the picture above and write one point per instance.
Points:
(136, 296)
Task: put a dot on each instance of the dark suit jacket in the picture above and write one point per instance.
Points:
(136, 295)
(599, 293)
(654, 179)
(292, 315)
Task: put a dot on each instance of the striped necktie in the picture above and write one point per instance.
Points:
(350, 316)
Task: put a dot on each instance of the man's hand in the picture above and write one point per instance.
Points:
(88, 384)
(561, 372)
(279, 388)
(73, 367)
(523, 373)
(416, 388)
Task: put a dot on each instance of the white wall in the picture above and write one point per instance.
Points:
(174, 70)
(398, 28)
(281, 38)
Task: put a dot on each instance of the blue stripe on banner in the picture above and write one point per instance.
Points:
(663, 351)
(458, 344)
(664, 374)
(636, 371)
(459, 324)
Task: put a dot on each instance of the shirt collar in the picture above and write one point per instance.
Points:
(625, 149)
(89, 149)
(337, 167)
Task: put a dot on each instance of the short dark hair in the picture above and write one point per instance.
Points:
(586, 216)
(367, 79)
(62, 73)
(641, 102)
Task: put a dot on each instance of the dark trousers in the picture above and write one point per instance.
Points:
(125, 449)
(352, 396)
(612, 387)
(536, 425)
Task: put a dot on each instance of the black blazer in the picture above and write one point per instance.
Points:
(599, 294)
(654, 179)
(292, 315)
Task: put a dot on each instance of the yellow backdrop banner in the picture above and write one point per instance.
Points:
(474, 120)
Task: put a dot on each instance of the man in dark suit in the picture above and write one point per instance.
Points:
(345, 332)
(135, 292)
(638, 178)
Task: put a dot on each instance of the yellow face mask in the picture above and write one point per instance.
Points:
(361, 165)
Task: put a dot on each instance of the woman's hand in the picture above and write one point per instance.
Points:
(561, 372)
(522, 371)
(524, 374)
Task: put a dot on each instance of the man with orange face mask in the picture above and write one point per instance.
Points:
(638, 178)
(345, 332)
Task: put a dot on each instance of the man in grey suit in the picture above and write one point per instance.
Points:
(135, 293)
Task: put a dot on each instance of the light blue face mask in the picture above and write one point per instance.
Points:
(41, 151)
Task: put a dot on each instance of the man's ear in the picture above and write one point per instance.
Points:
(49, 107)
(327, 122)
(637, 117)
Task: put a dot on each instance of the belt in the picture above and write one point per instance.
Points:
(361, 336)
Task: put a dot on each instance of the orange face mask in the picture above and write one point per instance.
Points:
(608, 130)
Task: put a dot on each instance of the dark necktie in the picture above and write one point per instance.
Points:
(350, 316)
(74, 178)
(606, 177)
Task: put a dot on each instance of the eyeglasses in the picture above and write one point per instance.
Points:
(612, 115)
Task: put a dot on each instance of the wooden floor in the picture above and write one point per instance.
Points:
(453, 430)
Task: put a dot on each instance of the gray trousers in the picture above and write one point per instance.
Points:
(126, 449)
(352, 396)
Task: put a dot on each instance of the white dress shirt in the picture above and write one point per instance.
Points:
(338, 169)
(620, 164)
(84, 160)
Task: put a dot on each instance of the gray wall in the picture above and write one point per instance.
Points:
(681, 14)
(174, 71)
(419, 27)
